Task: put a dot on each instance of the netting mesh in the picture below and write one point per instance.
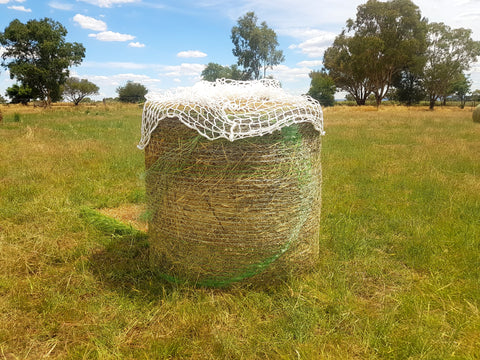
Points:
(231, 109)
(224, 211)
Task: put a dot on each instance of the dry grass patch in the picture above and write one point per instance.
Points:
(130, 214)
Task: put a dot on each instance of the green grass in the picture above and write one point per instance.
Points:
(399, 275)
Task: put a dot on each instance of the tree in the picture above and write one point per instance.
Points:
(461, 87)
(408, 88)
(76, 89)
(347, 63)
(19, 94)
(132, 92)
(322, 88)
(215, 71)
(476, 95)
(384, 39)
(450, 52)
(37, 55)
(255, 46)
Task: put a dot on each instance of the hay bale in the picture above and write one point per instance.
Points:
(476, 114)
(225, 211)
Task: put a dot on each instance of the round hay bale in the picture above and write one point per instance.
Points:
(225, 211)
(476, 114)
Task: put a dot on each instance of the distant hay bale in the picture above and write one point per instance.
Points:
(226, 211)
(476, 114)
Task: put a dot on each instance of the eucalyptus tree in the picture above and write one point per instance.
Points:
(347, 63)
(449, 54)
(38, 57)
(408, 87)
(322, 88)
(255, 46)
(214, 71)
(384, 39)
(19, 94)
(461, 87)
(76, 89)
(131, 92)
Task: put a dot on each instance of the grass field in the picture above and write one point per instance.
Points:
(399, 275)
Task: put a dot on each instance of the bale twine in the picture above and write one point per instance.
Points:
(226, 211)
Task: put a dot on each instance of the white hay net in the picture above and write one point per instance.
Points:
(230, 109)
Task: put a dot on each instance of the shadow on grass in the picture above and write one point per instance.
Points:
(123, 264)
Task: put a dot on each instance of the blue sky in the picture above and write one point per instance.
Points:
(166, 44)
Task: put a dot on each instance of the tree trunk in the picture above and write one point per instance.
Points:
(360, 102)
(432, 104)
(47, 100)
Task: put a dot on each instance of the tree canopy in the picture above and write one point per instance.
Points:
(132, 92)
(37, 56)
(346, 61)
(19, 94)
(255, 46)
(450, 52)
(408, 88)
(322, 88)
(460, 88)
(76, 89)
(390, 49)
(214, 71)
(385, 38)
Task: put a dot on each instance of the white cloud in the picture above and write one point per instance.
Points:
(316, 45)
(87, 22)
(310, 63)
(109, 3)
(60, 6)
(191, 54)
(102, 80)
(19, 8)
(475, 67)
(183, 70)
(119, 65)
(475, 16)
(302, 33)
(112, 36)
(136, 45)
(286, 73)
(144, 79)
(109, 83)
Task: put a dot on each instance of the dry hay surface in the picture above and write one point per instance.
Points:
(223, 212)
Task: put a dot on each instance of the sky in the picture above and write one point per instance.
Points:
(166, 44)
